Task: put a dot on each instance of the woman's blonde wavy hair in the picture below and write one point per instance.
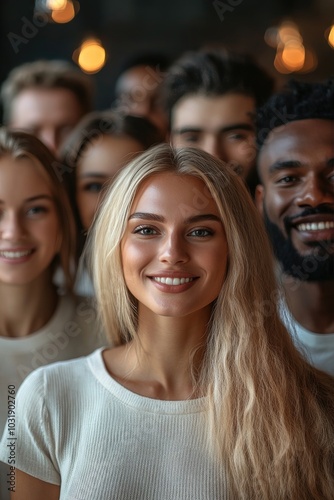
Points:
(17, 144)
(270, 414)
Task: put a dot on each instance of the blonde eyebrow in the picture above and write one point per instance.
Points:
(160, 218)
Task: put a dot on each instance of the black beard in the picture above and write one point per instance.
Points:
(317, 266)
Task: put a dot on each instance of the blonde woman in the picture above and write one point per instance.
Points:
(203, 395)
(39, 324)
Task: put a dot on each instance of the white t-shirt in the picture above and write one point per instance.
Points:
(104, 442)
(71, 332)
(318, 348)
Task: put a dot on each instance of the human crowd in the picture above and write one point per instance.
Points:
(167, 283)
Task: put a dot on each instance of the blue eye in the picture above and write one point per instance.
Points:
(37, 210)
(145, 231)
(94, 187)
(201, 233)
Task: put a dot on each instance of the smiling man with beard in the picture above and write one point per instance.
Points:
(295, 134)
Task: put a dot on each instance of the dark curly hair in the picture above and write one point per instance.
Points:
(298, 101)
(213, 73)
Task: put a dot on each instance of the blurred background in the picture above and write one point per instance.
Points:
(287, 37)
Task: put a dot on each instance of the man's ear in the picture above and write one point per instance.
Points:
(259, 195)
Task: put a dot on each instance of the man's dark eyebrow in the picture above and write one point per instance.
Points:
(237, 126)
(159, 218)
(187, 130)
(35, 198)
(281, 165)
(223, 130)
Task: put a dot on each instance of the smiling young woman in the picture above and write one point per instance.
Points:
(203, 394)
(39, 323)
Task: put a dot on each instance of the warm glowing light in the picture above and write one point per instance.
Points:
(64, 15)
(311, 61)
(330, 38)
(56, 4)
(92, 56)
(288, 32)
(293, 55)
(279, 65)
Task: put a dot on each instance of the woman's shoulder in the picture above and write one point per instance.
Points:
(62, 376)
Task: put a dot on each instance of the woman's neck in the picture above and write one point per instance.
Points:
(162, 362)
(26, 309)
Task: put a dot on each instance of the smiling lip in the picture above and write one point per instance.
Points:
(173, 282)
(16, 255)
(318, 228)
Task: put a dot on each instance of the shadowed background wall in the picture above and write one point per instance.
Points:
(131, 26)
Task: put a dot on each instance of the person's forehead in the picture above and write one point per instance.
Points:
(174, 190)
(222, 108)
(311, 136)
(32, 101)
(59, 94)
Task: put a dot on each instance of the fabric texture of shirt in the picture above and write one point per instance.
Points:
(317, 348)
(71, 332)
(76, 426)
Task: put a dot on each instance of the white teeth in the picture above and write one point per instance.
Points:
(172, 281)
(15, 255)
(315, 226)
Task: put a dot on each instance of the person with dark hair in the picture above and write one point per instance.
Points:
(101, 144)
(138, 85)
(295, 135)
(46, 99)
(211, 97)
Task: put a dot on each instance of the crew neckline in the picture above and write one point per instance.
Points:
(97, 367)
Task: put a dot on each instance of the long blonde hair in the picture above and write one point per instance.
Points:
(270, 414)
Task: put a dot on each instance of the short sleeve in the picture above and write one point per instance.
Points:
(29, 439)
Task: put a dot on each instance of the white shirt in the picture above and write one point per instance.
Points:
(318, 348)
(71, 332)
(104, 442)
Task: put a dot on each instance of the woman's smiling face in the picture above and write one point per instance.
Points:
(30, 233)
(174, 251)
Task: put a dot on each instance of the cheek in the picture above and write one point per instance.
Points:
(135, 258)
(275, 204)
(51, 235)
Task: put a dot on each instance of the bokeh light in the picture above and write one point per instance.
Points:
(65, 14)
(330, 36)
(91, 56)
